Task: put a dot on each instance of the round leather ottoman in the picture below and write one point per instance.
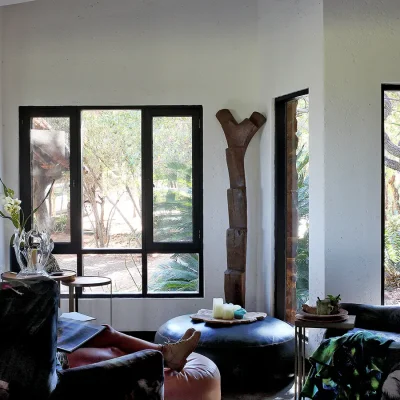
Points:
(250, 357)
(199, 380)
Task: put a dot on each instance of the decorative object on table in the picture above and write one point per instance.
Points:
(226, 311)
(329, 305)
(238, 137)
(218, 308)
(240, 313)
(52, 266)
(32, 248)
(335, 303)
(207, 316)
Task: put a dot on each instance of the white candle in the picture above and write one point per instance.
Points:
(217, 307)
(228, 312)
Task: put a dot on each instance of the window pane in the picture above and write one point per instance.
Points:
(66, 262)
(297, 205)
(173, 273)
(125, 270)
(50, 160)
(112, 192)
(172, 179)
(392, 197)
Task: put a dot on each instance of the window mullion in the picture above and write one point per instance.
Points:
(147, 192)
(76, 185)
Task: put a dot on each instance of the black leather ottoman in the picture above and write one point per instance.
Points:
(250, 357)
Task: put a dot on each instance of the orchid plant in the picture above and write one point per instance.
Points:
(12, 208)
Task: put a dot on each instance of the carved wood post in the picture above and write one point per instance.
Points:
(238, 137)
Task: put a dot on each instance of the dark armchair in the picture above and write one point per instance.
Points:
(383, 321)
(28, 344)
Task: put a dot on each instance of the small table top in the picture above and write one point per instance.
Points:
(348, 324)
(89, 281)
(65, 277)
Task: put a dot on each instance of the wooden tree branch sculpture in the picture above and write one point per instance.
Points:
(238, 137)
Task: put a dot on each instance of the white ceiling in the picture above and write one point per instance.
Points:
(9, 2)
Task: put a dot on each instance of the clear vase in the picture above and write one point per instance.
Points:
(32, 250)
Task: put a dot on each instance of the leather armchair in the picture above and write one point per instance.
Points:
(382, 321)
(28, 333)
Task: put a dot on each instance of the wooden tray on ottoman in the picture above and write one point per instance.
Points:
(206, 316)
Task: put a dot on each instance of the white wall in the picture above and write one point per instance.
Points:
(291, 59)
(361, 53)
(124, 52)
(10, 2)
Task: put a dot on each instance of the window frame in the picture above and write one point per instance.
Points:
(280, 200)
(74, 247)
(384, 88)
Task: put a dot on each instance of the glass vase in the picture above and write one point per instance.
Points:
(32, 250)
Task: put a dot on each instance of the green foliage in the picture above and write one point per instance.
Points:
(392, 252)
(302, 258)
(179, 274)
(173, 215)
(60, 223)
(334, 299)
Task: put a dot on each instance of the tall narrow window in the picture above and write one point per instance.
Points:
(292, 204)
(391, 194)
(127, 198)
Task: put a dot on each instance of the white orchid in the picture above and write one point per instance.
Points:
(12, 207)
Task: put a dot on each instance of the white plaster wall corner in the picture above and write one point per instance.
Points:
(291, 33)
(357, 34)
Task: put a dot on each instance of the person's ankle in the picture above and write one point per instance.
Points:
(175, 354)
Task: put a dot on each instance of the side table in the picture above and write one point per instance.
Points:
(87, 281)
(300, 346)
(67, 276)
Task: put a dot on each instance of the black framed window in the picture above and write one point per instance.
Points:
(127, 199)
(390, 98)
(292, 204)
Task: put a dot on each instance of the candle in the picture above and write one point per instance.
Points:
(217, 307)
(227, 312)
(236, 307)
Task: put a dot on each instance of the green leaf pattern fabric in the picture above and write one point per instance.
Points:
(348, 367)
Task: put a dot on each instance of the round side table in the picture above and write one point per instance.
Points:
(67, 276)
(87, 281)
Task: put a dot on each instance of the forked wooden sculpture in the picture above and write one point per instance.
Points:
(238, 137)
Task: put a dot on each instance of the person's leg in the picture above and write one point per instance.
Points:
(128, 344)
(91, 355)
(111, 344)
